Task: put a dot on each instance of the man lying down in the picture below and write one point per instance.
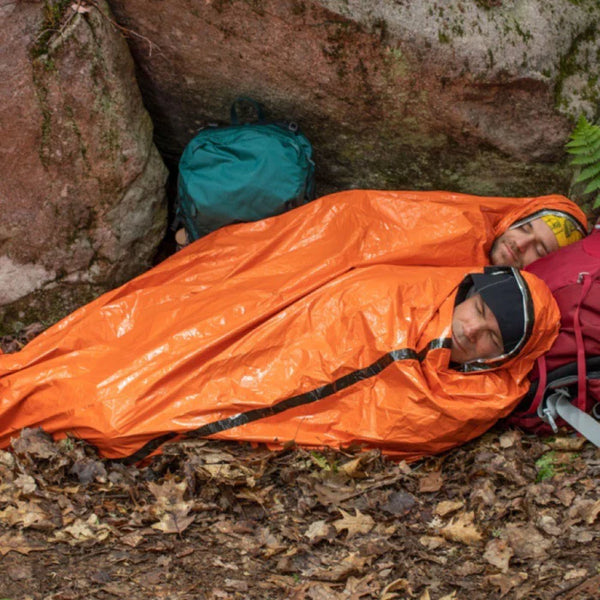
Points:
(411, 360)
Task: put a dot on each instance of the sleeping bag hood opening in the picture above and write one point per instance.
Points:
(507, 294)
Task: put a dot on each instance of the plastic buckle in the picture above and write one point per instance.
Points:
(549, 418)
(581, 276)
(547, 408)
(596, 411)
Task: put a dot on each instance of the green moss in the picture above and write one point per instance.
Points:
(46, 307)
(569, 66)
(443, 38)
(488, 4)
(41, 91)
(257, 6)
(53, 15)
(298, 7)
(221, 5)
(526, 35)
(458, 30)
(75, 129)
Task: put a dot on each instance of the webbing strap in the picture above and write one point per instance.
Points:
(581, 369)
(559, 404)
(541, 384)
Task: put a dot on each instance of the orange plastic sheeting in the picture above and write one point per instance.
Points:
(170, 354)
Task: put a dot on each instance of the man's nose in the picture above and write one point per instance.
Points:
(471, 330)
(524, 240)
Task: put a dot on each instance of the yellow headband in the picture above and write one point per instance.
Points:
(563, 228)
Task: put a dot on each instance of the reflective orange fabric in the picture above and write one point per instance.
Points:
(168, 353)
(258, 311)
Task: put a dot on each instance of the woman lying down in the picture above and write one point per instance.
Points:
(411, 360)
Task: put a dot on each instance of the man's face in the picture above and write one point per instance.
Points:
(475, 332)
(522, 245)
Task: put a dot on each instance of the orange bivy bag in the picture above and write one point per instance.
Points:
(260, 333)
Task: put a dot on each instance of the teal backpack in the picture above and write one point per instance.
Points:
(242, 172)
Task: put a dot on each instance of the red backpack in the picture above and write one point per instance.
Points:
(565, 385)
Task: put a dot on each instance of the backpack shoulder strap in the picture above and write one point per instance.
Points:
(558, 404)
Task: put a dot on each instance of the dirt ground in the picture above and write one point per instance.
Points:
(507, 516)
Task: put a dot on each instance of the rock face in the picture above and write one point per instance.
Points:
(475, 95)
(81, 184)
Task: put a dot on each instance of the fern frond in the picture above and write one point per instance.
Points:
(588, 173)
(586, 159)
(592, 186)
(588, 137)
(585, 135)
(584, 146)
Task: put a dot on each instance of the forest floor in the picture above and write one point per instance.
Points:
(506, 516)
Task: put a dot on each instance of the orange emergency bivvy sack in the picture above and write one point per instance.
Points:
(259, 333)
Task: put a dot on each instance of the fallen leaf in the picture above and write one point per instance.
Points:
(349, 565)
(527, 541)
(34, 442)
(315, 591)
(398, 585)
(399, 503)
(586, 589)
(171, 523)
(567, 443)
(26, 484)
(507, 582)
(317, 530)
(575, 574)
(132, 539)
(7, 459)
(588, 510)
(469, 568)
(16, 543)
(83, 531)
(432, 482)
(354, 468)
(447, 507)
(20, 572)
(356, 524)
(548, 525)
(498, 553)
(462, 530)
(26, 514)
(171, 509)
(88, 470)
(485, 491)
(566, 496)
(432, 542)
(510, 438)
(358, 588)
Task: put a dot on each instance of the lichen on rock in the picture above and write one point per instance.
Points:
(81, 152)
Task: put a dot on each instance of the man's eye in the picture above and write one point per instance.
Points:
(496, 343)
(541, 250)
(526, 227)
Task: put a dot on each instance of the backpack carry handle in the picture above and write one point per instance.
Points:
(244, 99)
